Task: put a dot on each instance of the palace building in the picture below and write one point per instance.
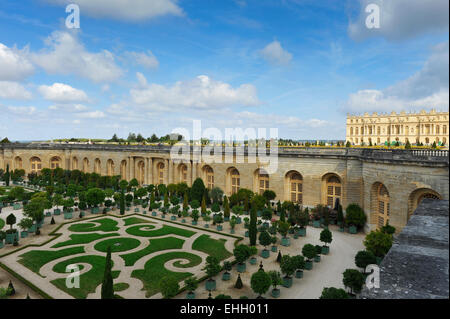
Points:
(380, 129)
(388, 183)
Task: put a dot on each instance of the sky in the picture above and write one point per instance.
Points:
(155, 66)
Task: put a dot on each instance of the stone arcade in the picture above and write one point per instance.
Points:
(388, 184)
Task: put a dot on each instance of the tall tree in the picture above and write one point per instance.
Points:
(107, 285)
(7, 175)
(252, 231)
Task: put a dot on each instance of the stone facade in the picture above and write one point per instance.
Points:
(321, 175)
(416, 128)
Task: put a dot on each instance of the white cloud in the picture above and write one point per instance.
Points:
(136, 10)
(275, 54)
(428, 88)
(13, 90)
(62, 93)
(22, 110)
(14, 64)
(91, 115)
(66, 55)
(147, 60)
(401, 19)
(68, 107)
(199, 93)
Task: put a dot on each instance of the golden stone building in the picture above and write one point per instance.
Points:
(421, 127)
(388, 184)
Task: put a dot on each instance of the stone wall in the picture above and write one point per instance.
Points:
(417, 264)
(407, 175)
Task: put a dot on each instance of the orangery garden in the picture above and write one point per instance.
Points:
(69, 234)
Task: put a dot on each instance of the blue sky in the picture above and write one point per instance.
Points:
(153, 66)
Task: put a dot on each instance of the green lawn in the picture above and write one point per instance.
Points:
(121, 286)
(77, 239)
(155, 245)
(164, 230)
(35, 259)
(117, 244)
(2, 223)
(154, 270)
(106, 225)
(212, 247)
(89, 281)
(135, 220)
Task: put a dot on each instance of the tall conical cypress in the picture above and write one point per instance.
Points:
(238, 284)
(252, 231)
(203, 207)
(279, 257)
(226, 208)
(122, 202)
(107, 285)
(7, 175)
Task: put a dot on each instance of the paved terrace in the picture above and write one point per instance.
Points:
(413, 156)
(416, 267)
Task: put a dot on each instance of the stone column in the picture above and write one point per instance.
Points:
(167, 169)
(194, 171)
(146, 171)
(150, 170)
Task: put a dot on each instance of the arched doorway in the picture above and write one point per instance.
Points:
(234, 180)
(86, 165)
(208, 174)
(35, 164)
(160, 173)
(97, 166)
(123, 169)
(182, 173)
(332, 188)
(383, 205)
(140, 176)
(417, 196)
(110, 167)
(74, 163)
(55, 162)
(262, 181)
(18, 162)
(295, 187)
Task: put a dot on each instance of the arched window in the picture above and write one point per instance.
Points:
(55, 162)
(209, 177)
(235, 181)
(160, 169)
(183, 173)
(18, 162)
(110, 167)
(123, 169)
(351, 130)
(417, 196)
(383, 205)
(36, 164)
(74, 163)
(97, 166)
(263, 181)
(334, 190)
(85, 165)
(296, 187)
